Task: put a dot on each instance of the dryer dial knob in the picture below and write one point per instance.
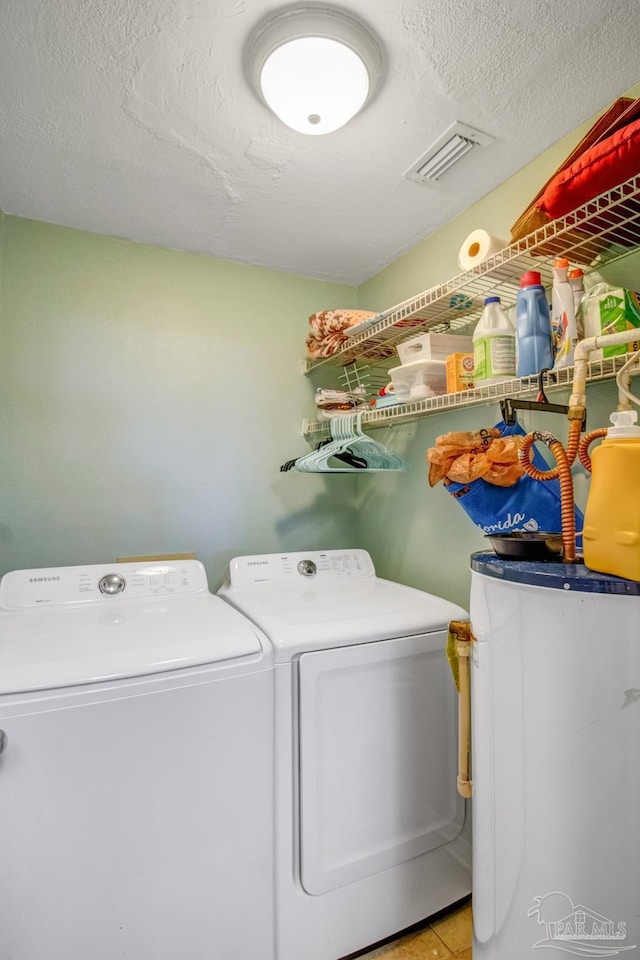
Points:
(111, 584)
(307, 568)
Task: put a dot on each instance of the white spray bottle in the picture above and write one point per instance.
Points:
(576, 279)
(563, 315)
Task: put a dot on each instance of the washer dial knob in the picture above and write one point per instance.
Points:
(307, 568)
(112, 584)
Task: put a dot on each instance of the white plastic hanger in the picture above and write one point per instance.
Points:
(347, 437)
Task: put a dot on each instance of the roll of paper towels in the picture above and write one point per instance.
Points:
(477, 247)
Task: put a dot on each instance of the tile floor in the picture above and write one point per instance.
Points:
(446, 936)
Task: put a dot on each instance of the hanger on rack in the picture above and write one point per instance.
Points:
(508, 406)
(337, 446)
(347, 437)
(376, 454)
(356, 462)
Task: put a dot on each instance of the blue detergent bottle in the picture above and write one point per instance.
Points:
(533, 326)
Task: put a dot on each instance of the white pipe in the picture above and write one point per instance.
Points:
(632, 367)
(581, 353)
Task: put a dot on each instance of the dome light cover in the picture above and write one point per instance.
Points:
(314, 67)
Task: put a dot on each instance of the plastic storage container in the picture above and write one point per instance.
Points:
(494, 345)
(533, 325)
(611, 535)
(418, 380)
(433, 346)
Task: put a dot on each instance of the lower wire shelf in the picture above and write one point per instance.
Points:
(599, 370)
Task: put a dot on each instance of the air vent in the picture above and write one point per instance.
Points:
(449, 149)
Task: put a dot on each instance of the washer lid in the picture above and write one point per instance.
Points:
(316, 616)
(60, 642)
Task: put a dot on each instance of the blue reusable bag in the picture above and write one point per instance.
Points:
(527, 505)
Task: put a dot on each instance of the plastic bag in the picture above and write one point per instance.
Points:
(606, 309)
(464, 457)
(527, 504)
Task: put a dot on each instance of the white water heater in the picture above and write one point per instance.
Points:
(555, 761)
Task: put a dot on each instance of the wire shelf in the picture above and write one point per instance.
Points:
(365, 377)
(519, 387)
(599, 232)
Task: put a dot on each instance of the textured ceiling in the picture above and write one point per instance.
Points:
(133, 118)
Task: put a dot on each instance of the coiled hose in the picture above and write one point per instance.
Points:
(562, 470)
(585, 443)
(573, 446)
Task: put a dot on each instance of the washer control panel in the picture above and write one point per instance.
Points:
(315, 566)
(101, 583)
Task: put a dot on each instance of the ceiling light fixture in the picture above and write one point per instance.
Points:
(315, 67)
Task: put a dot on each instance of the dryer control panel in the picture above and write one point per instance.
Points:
(314, 566)
(101, 583)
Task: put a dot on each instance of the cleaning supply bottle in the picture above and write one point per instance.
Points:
(535, 347)
(611, 534)
(563, 315)
(576, 279)
(494, 345)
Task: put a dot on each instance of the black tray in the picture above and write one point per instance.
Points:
(525, 545)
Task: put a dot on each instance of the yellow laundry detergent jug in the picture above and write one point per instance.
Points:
(611, 535)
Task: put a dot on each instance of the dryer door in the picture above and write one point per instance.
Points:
(377, 758)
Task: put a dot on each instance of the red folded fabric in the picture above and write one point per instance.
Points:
(599, 169)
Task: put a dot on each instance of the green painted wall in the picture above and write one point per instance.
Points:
(419, 535)
(147, 400)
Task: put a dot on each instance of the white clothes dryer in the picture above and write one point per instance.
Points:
(371, 835)
(136, 768)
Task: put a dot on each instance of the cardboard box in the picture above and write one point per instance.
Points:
(433, 346)
(459, 372)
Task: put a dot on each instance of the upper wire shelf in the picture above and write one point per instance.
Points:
(599, 232)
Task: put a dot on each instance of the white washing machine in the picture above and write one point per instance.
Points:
(136, 768)
(371, 834)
